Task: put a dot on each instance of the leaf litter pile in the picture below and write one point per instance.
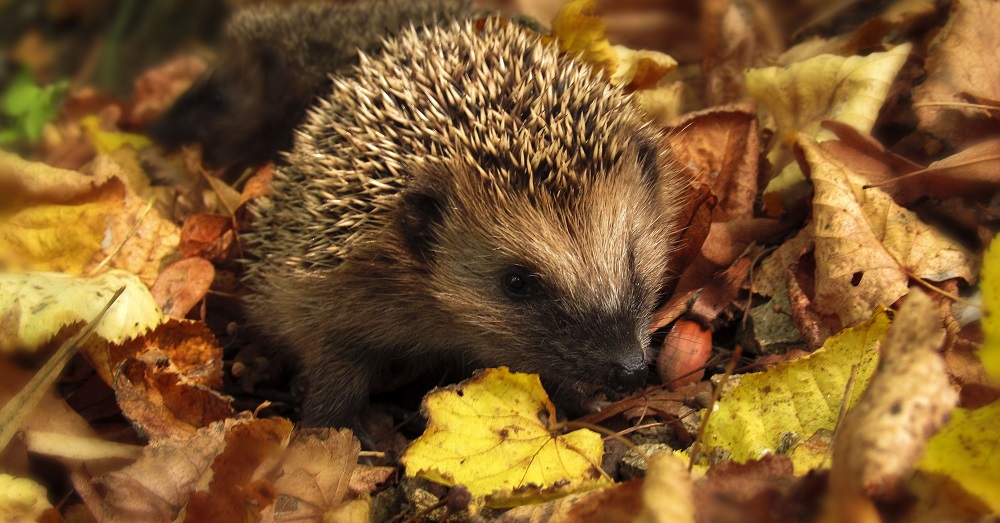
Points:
(830, 341)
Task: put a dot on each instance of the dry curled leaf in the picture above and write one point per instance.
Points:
(868, 247)
(208, 475)
(961, 74)
(906, 402)
(719, 148)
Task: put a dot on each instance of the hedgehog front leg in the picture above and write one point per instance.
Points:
(338, 388)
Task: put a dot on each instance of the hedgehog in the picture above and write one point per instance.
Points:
(275, 61)
(467, 193)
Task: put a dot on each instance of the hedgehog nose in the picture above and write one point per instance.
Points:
(628, 375)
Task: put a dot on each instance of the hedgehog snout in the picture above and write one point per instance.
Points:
(628, 373)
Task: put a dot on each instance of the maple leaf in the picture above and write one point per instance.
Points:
(491, 434)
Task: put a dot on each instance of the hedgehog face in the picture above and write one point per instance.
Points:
(554, 283)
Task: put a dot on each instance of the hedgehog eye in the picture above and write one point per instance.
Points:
(518, 282)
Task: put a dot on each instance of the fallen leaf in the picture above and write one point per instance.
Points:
(905, 403)
(716, 265)
(35, 307)
(736, 35)
(965, 450)
(667, 491)
(794, 399)
(803, 95)
(73, 226)
(719, 148)
(752, 491)
(209, 236)
(640, 70)
(580, 32)
(182, 285)
(161, 402)
(191, 347)
(972, 173)
(619, 503)
(207, 475)
(158, 88)
(107, 142)
(867, 247)
(961, 74)
(990, 284)
(491, 434)
(21, 499)
(312, 476)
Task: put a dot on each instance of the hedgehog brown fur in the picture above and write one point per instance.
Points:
(274, 62)
(471, 193)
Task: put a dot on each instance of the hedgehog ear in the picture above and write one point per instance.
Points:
(648, 158)
(421, 208)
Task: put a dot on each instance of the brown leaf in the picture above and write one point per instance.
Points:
(864, 155)
(725, 243)
(749, 491)
(209, 236)
(867, 247)
(961, 70)
(314, 475)
(695, 220)
(735, 35)
(906, 402)
(171, 471)
(719, 147)
(192, 349)
(619, 503)
(162, 402)
(972, 173)
(182, 285)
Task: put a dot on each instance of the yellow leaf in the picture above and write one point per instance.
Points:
(54, 220)
(795, 399)
(580, 32)
(990, 353)
(61, 236)
(642, 69)
(827, 87)
(491, 434)
(34, 307)
(21, 499)
(966, 450)
(107, 142)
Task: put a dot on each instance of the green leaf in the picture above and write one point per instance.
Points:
(29, 107)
